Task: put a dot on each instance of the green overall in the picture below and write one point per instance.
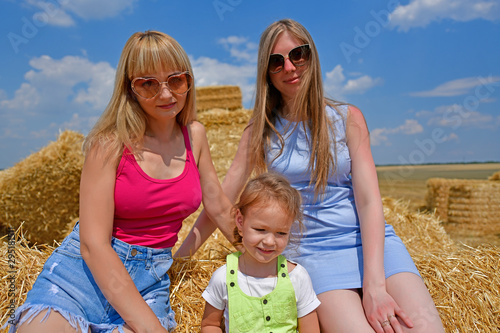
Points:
(273, 313)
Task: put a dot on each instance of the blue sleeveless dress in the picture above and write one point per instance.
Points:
(330, 248)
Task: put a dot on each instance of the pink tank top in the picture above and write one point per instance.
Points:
(149, 212)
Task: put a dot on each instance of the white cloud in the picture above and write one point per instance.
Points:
(240, 48)
(53, 91)
(337, 87)
(420, 13)
(61, 12)
(462, 87)
(380, 136)
(455, 116)
(209, 72)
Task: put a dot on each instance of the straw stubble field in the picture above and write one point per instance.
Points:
(463, 280)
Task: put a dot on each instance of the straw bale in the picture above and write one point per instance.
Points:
(43, 190)
(464, 283)
(495, 176)
(420, 232)
(223, 97)
(465, 286)
(466, 206)
(22, 268)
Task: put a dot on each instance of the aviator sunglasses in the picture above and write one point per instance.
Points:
(149, 87)
(298, 57)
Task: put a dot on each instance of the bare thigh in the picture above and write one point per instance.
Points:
(411, 294)
(342, 311)
(54, 322)
(126, 329)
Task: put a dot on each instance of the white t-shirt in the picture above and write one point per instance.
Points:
(216, 292)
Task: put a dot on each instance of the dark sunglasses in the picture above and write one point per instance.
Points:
(149, 87)
(298, 56)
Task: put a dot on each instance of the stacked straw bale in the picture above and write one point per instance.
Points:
(43, 190)
(218, 97)
(469, 207)
(495, 176)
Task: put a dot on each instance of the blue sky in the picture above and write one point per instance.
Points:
(426, 74)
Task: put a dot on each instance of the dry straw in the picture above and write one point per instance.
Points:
(20, 264)
(421, 232)
(43, 190)
(465, 286)
(218, 97)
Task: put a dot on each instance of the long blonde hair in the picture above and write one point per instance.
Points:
(123, 122)
(309, 104)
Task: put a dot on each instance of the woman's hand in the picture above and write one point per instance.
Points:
(382, 311)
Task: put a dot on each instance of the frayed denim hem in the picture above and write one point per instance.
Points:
(169, 322)
(30, 311)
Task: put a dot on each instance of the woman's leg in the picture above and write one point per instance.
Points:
(411, 294)
(342, 311)
(54, 322)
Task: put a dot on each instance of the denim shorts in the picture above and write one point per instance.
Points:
(66, 285)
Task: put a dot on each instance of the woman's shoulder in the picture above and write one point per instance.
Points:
(337, 110)
(195, 127)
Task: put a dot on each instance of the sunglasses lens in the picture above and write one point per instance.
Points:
(276, 62)
(179, 84)
(300, 55)
(146, 88)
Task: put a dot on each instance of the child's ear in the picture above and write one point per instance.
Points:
(239, 221)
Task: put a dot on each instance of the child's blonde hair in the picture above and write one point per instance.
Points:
(270, 188)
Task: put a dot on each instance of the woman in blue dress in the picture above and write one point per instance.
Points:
(360, 269)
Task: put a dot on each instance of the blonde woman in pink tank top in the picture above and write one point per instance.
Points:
(147, 168)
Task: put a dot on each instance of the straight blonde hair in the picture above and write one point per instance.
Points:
(123, 123)
(309, 105)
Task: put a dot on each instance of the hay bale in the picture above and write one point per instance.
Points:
(437, 196)
(465, 286)
(43, 190)
(495, 176)
(420, 232)
(221, 97)
(18, 271)
(468, 207)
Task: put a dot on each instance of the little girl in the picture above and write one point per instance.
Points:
(259, 290)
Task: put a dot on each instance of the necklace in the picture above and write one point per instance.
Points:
(246, 278)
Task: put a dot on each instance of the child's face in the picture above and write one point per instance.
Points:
(265, 231)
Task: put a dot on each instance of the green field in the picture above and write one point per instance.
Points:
(408, 182)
